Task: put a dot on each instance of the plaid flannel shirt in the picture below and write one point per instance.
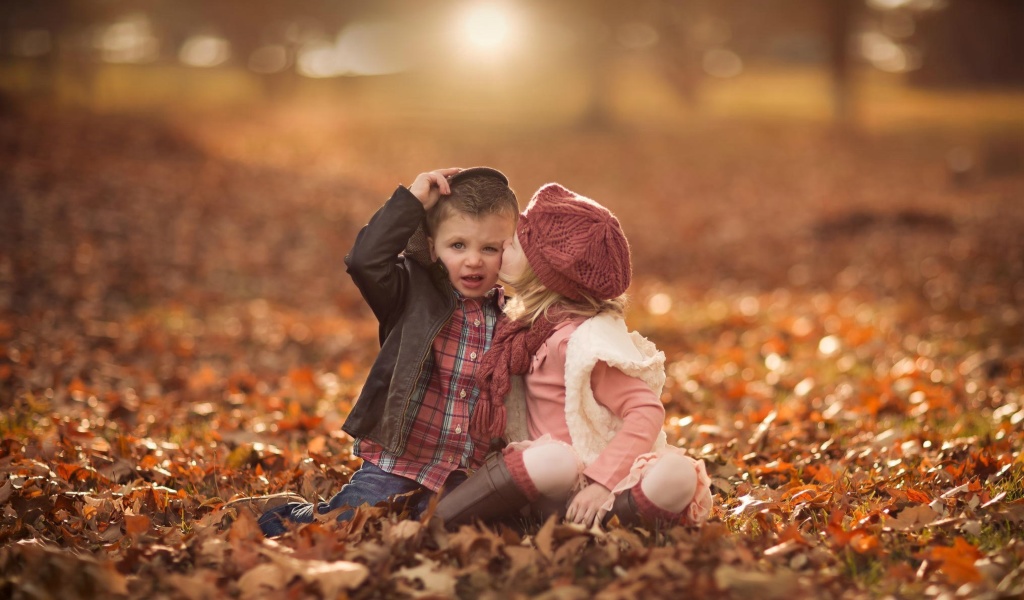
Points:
(439, 441)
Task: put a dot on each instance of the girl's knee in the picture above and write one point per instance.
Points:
(553, 468)
(671, 482)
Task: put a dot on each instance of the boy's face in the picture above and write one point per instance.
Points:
(470, 248)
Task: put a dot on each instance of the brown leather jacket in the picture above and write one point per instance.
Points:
(412, 301)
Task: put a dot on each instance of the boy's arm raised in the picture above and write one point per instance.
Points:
(373, 261)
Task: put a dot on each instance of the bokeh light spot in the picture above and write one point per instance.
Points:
(204, 51)
(659, 304)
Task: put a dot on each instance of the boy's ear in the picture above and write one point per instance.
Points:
(430, 246)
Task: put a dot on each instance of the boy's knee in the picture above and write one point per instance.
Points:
(553, 468)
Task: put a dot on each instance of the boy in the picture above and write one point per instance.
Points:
(437, 303)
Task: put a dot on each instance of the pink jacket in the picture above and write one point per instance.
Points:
(628, 398)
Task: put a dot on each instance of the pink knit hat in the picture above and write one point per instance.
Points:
(574, 245)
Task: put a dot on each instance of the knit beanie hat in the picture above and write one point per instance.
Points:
(574, 245)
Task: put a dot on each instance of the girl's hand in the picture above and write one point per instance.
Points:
(429, 187)
(586, 505)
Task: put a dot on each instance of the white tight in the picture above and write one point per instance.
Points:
(553, 468)
(669, 482)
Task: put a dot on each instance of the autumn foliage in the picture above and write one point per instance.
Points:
(841, 315)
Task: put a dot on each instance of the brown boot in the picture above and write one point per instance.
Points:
(488, 494)
(625, 509)
(634, 509)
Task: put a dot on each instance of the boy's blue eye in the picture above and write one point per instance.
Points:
(458, 245)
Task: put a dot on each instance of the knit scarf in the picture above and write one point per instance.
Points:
(512, 348)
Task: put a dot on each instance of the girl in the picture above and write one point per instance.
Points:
(593, 413)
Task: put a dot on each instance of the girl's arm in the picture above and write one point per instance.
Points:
(642, 416)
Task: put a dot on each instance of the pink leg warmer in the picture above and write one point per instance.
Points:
(517, 469)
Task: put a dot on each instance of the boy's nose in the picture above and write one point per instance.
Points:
(475, 258)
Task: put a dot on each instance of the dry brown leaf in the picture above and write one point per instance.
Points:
(912, 518)
(136, 524)
(331, 576)
(436, 579)
(565, 592)
(520, 558)
(196, 586)
(403, 531)
(755, 584)
(545, 538)
(261, 579)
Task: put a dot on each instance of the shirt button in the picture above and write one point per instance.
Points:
(462, 394)
(458, 429)
(451, 458)
(472, 355)
(476, 323)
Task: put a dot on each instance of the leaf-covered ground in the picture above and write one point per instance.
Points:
(841, 316)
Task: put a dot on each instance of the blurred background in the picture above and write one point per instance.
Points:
(867, 62)
(199, 169)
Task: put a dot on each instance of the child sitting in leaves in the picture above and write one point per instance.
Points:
(436, 297)
(592, 388)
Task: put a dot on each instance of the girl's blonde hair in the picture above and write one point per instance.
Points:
(533, 300)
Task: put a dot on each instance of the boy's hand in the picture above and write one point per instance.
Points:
(586, 505)
(429, 187)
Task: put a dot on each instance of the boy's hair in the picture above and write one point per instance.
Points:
(476, 195)
(532, 300)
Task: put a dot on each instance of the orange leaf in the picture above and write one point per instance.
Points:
(864, 542)
(820, 473)
(957, 562)
(917, 496)
(136, 524)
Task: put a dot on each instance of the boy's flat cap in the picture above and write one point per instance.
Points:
(478, 171)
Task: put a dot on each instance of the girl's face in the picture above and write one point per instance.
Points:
(513, 260)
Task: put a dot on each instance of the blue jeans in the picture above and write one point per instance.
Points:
(369, 485)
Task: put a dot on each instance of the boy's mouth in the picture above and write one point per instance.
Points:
(472, 279)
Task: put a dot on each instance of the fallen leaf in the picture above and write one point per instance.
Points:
(957, 561)
(912, 518)
(332, 577)
(257, 581)
(755, 584)
(436, 579)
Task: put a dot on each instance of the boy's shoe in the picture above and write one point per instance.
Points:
(261, 504)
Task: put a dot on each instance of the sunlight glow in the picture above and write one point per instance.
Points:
(319, 59)
(918, 5)
(488, 28)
